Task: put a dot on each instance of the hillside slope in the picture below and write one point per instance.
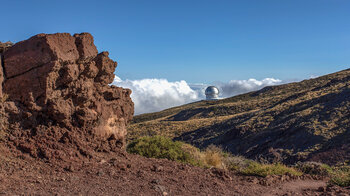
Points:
(307, 120)
(62, 132)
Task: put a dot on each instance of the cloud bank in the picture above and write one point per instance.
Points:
(235, 87)
(151, 95)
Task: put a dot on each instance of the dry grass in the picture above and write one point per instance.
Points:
(215, 157)
(168, 128)
(212, 156)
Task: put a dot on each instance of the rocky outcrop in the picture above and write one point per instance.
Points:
(3, 48)
(59, 80)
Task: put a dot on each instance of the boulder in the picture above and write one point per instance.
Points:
(61, 80)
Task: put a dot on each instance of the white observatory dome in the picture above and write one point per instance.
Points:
(212, 93)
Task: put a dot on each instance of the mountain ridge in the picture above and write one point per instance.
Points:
(307, 120)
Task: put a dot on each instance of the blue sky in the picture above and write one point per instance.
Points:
(198, 40)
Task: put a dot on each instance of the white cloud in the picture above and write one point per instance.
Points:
(235, 87)
(151, 95)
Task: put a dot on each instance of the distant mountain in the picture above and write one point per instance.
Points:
(307, 120)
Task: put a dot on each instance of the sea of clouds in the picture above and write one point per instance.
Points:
(152, 95)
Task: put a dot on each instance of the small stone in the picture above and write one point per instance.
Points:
(12, 138)
(157, 168)
(328, 188)
(254, 181)
(69, 168)
(159, 188)
(112, 173)
(321, 189)
(155, 181)
(100, 173)
(122, 167)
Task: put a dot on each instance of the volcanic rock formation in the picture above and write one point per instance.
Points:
(60, 82)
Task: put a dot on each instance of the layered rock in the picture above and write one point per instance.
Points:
(61, 80)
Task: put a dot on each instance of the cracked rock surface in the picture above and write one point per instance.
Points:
(57, 87)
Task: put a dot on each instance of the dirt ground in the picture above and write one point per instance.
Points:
(125, 174)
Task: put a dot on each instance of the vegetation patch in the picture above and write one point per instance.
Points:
(340, 175)
(164, 148)
(263, 170)
(314, 168)
(212, 156)
(161, 148)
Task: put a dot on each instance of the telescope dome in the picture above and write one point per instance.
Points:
(212, 93)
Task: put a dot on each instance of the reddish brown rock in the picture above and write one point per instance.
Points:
(38, 51)
(85, 45)
(59, 80)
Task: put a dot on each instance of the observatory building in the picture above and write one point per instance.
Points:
(212, 93)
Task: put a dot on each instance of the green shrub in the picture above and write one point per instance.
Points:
(340, 176)
(161, 148)
(314, 168)
(165, 148)
(237, 163)
(253, 168)
(194, 152)
(263, 170)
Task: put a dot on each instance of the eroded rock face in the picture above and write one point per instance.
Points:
(61, 80)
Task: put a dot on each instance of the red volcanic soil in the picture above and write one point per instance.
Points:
(125, 174)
